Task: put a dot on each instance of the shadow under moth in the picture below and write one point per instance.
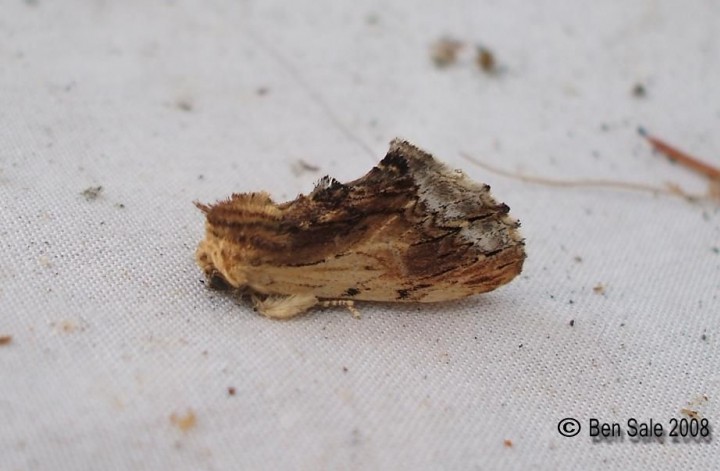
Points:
(410, 230)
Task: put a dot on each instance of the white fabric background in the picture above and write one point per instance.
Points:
(113, 331)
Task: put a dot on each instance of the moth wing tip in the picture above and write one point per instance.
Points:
(202, 207)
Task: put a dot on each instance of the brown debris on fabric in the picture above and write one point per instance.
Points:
(444, 51)
(184, 422)
(92, 193)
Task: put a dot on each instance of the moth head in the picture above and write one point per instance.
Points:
(215, 258)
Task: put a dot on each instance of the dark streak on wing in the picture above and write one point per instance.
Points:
(336, 216)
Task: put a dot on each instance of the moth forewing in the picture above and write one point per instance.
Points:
(410, 230)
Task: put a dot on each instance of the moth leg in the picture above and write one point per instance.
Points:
(348, 303)
(284, 307)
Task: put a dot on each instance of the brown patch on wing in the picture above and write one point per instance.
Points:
(329, 221)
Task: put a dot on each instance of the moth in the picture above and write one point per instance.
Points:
(410, 230)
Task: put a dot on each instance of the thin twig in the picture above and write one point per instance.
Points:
(671, 189)
(313, 94)
(676, 155)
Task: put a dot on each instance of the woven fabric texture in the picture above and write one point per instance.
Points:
(116, 116)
